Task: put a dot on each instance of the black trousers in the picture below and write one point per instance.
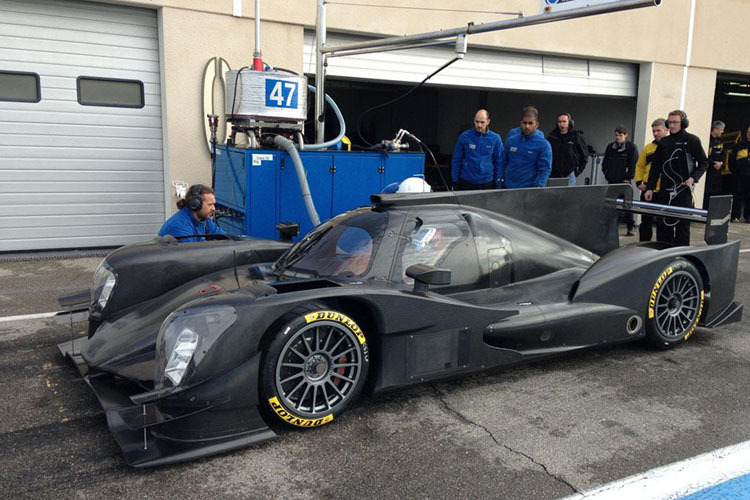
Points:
(628, 216)
(464, 185)
(741, 197)
(713, 187)
(670, 230)
(646, 229)
(727, 184)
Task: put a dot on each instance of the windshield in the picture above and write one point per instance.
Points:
(343, 247)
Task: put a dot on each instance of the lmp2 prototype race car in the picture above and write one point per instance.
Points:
(198, 348)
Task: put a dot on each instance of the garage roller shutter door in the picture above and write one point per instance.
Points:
(79, 176)
(481, 68)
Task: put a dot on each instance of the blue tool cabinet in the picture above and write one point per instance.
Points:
(261, 187)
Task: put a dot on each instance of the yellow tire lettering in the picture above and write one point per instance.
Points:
(282, 412)
(657, 286)
(697, 319)
(338, 318)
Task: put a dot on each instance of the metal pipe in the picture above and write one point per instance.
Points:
(472, 29)
(320, 70)
(643, 207)
(387, 49)
(257, 56)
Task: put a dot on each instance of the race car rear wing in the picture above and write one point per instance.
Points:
(716, 218)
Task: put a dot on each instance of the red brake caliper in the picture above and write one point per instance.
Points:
(340, 371)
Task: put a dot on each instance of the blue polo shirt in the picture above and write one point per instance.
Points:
(184, 224)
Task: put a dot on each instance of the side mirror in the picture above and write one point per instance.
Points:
(424, 276)
(287, 231)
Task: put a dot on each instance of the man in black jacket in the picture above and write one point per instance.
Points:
(714, 183)
(569, 149)
(739, 164)
(619, 165)
(679, 161)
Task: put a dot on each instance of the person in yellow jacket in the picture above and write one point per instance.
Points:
(642, 167)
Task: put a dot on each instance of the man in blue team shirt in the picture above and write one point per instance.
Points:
(527, 157)
(194, 215)
(477, 156)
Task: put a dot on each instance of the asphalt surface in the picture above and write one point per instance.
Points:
(538, 431)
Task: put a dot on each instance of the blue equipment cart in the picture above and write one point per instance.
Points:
(260, 187)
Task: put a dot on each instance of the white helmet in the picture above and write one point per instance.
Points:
(414, 185)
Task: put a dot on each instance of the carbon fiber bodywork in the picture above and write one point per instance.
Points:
(528, 281)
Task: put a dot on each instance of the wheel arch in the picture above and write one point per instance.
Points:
(362, 311)
(701, 267)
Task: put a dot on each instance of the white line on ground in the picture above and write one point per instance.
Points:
(27, 316)
(677, 479)
(745, 250)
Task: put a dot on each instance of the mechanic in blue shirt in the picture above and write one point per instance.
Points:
(194, 215)
(477, 156)
(527, 156)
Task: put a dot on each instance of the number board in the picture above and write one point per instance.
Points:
(281, 93)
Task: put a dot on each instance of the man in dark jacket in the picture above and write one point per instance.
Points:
(619, 165)
(714, 183)
(679, 161)
(739, 163)
(569, 149)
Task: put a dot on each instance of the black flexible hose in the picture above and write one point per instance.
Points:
(359, 120)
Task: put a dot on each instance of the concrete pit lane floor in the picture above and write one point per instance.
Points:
(545, 430)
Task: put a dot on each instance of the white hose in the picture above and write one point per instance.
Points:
(342, 125)
(288, 146)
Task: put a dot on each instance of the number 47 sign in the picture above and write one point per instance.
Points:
(281, 93)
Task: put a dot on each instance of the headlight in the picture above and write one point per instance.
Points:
(184, 339)
(104, 282)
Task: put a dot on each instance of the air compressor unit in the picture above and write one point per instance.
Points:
(256, 189)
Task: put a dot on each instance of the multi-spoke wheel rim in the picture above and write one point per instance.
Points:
(318, 368)
(678, 304)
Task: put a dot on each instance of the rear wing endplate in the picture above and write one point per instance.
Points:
(716, 218)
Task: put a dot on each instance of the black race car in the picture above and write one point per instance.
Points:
(198, 348)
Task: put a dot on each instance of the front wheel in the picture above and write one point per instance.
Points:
(315, 366)
(675, 304)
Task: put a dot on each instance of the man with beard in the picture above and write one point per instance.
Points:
(569, 149)
(194, 215)
(527, 156)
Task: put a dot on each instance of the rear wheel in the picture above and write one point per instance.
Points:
(675, 304)
(315, 366)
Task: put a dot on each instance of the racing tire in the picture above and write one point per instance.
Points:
(675, 304)
(314, 367)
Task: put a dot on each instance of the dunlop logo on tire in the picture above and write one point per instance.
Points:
(339, 318)
(299, 422)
